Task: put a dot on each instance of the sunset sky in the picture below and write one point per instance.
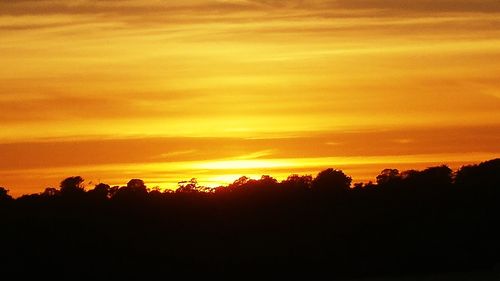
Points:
(168, 90)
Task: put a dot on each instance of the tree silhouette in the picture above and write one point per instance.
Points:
(135, 189)
(388, 176)
(297, 182)
(239, 183)
(409, 222)
(50, 192)
(437, 176)
(72, 186)
(4, 194)
(331, 181)
(190, 186)
(429, 178)
(137, 185)
(100, 191)
(484, 175)
(267, 181)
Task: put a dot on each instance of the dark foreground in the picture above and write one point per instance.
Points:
(453, 276)
(426, 225)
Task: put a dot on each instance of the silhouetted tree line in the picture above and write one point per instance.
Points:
(410, 222)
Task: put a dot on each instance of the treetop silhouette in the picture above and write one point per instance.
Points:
(408, 222)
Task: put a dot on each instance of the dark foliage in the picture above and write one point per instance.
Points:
(410, 222)
(331, 181)
(72, 187)
(4, 194)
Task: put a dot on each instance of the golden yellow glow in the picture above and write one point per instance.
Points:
(243, 164)
(248, 70)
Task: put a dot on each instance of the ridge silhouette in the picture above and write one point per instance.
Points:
(406, 223)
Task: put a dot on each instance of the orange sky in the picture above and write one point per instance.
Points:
(167, 90)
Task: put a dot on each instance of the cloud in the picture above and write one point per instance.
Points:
(56, 107)
(223, 8)
(422, 6)
(135, 7)
(259, 16)
(89, 152)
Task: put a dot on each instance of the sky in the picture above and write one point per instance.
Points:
(169, 90)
